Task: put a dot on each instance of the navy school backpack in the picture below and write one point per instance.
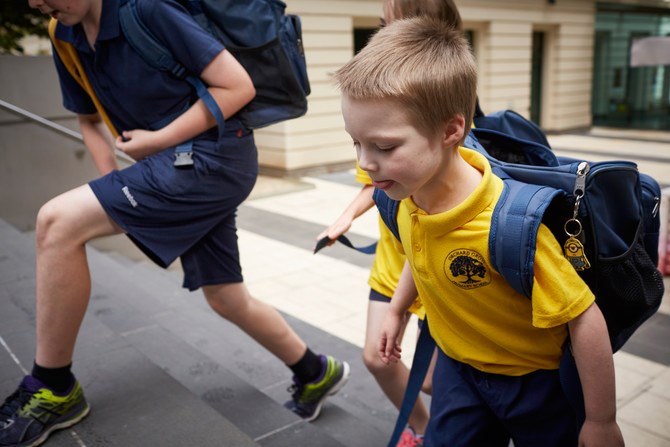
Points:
(265, 40)
(605, 215)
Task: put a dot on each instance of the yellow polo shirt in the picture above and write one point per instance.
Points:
(388, 262)
(475, 316)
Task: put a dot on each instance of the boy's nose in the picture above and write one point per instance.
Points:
(365, 161)
(37, 4)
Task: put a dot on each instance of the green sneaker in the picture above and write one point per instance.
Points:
(33, 412)
(306, 399)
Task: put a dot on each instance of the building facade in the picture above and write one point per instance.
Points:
(565, 64)
(534, 56)
(625, 95)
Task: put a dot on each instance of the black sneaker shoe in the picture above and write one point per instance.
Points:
(307, 398)
(33, 412)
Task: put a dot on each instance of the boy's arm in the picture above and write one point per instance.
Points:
(593, 355)
(403, 297)
(359, 205)
(99, 142)
(230, 86)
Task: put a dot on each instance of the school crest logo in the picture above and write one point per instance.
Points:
(467, 269)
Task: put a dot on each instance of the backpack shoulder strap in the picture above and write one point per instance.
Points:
(367, 249)
(514, 225)
(388, 210)
(425, 346)
(144, 43)
(155, 54)
(70, 58)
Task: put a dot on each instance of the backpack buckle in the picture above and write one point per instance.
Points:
(183, 159)
(183, 155)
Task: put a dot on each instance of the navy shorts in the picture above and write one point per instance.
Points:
(189, 213)
(473, 408)
(376, 296)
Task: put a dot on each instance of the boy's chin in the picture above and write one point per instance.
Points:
(395, 195)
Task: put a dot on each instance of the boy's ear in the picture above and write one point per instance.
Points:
(454, 131)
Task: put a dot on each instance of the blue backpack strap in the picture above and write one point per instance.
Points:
(156, 55)
(388, 210)
(368, 249)
(514, 225)
(471, 142)
(425, 347)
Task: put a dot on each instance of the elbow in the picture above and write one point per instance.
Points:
(90, 119)
(250, 91)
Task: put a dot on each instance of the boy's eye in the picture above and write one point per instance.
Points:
(384, 147)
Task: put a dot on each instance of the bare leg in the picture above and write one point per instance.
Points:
(392, 378)
(427, 386)
(64, 225)
(260, 321)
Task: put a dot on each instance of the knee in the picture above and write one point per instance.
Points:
(47, 219)
(224, 302)
(220, 307)
(373, 363)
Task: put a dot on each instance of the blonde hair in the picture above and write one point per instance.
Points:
(421, 63)
(444, 10)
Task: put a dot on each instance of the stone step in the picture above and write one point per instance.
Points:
(134, 401)
(359, 415)
(159, 366)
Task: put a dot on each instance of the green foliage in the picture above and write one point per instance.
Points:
(18, 20)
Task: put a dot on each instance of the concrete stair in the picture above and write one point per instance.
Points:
(161, 369)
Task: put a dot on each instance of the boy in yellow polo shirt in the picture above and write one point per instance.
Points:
(408, 99)
(388, 262)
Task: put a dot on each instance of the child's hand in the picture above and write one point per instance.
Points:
(139, 144)
(337, 229)
(600, 434)
(389, 341)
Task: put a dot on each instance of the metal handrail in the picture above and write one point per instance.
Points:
(55, 127)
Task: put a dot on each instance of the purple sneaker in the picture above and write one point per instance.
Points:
(30, 414)
(307, 399)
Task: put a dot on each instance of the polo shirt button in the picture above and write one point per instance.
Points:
(417, 247)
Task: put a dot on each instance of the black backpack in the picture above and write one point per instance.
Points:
(265, 40)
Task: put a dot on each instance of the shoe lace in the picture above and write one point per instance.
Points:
(14, 403)
(295, 390)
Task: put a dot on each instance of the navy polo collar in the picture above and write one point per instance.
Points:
(109, 27)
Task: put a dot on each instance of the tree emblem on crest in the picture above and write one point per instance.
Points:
(466, 269)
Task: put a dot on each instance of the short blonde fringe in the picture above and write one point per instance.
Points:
(423, 64)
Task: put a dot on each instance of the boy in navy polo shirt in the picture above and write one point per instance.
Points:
(168, 212)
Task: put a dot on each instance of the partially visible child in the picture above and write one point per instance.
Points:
(388, 261)
(408, 99)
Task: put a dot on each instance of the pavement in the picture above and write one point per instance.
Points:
(329, 289)
(325, 294)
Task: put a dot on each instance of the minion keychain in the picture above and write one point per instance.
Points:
(573, 249)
